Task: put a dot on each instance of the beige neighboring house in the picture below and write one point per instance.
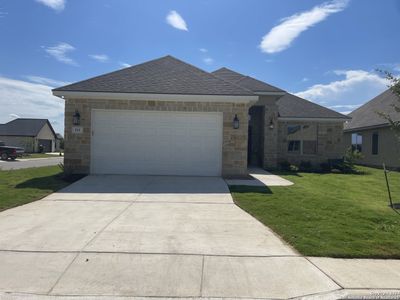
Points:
(29, 134)
(167, 117)
(371, 134)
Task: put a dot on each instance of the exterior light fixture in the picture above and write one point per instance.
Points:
(76, 118)
(235, 122)
(271, 124)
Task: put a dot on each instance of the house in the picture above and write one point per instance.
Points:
(29, 134)
(59, 142)
(167, 117)
(370, 133)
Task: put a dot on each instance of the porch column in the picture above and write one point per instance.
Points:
(271, 135)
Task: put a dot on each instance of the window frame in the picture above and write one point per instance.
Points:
(357, 146)
(301, 140)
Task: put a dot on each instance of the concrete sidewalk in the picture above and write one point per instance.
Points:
(260, 177)
(143, 237)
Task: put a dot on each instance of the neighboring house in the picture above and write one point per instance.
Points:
(371, 134)
(59, 142)
(167, 117)
(29, 134)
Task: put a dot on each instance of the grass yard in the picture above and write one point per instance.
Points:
(18, 187)
(336, 215)
(37, 155)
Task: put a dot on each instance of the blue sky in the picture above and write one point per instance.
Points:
(324, 51)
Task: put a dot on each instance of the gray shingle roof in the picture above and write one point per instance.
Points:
(248, 82)
(24, 127)
(166, 75)
(366, 115)
(291, 106)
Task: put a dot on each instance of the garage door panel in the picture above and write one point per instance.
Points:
(156, 143)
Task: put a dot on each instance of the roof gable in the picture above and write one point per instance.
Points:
(248, 82)
(166, 75)
(24, 127)
(367, 114)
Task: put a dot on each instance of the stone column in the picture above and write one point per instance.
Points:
(270, 134)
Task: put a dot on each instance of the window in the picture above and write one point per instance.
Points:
(294, 146)
(293, 136)
(375, 143)
(302, 139)
(356, 142)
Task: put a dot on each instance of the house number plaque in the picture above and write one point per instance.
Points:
(77, 129)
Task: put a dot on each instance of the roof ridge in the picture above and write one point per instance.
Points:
(371, 100)
(210, 73)
(243, 76)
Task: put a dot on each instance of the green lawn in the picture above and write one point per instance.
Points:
(37, 155)
(18, 187)
(334, 215)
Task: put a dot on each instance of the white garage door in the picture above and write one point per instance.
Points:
(156, 143)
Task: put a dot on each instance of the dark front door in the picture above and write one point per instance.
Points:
(255, 138)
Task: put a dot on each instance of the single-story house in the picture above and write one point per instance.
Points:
(59, 142)
(29, 134)
(370, 133)
(167, 117)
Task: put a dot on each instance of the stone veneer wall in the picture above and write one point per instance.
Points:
(234, 149)
(388, 147)
(330, 143)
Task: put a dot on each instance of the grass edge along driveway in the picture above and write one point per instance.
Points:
(334, 215)
(18, 187)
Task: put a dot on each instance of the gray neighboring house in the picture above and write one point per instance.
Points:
(29, 134)
(371, 134)
(167, 117)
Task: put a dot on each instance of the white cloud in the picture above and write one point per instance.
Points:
(305, 79)
(30, 100)
(175, 20)
(57, 5)
(281, 36)
(357, 87)
(124, 64)
(60, 51)
(204, 50)
(46, 81)
(99, 57)
(348, 106)
(208, 60)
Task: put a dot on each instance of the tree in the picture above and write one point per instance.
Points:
(394, 85)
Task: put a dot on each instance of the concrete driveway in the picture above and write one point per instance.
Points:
(30, 163)
(148, 236)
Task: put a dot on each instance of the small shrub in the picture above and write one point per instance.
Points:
(351, 156)
(305, 166)
(293, 168)
(325, 167)
(284, 165)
